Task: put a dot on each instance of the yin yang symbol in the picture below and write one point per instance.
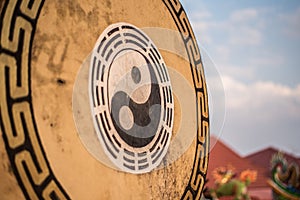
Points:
(131, 98)
(136, 105)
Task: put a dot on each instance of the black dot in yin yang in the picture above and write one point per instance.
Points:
(135, 75)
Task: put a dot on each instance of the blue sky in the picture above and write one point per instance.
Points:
(255, 47)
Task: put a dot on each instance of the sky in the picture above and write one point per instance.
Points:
(254, 48)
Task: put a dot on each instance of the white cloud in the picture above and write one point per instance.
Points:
(245, 73)
(244, 15)
(241, 27)
(270, 59)
(223, 53)
(291, 23)
(245, 35)
(202, 14)
(262, 97)
(245, 27)
(261, 114)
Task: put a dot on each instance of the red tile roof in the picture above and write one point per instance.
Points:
(222, 155)
(263, 157)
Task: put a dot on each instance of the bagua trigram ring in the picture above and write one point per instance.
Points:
(131, 98)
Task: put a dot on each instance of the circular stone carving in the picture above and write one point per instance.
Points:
(43, 45)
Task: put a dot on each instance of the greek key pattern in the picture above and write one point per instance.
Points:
(194, 188)
(19, 131)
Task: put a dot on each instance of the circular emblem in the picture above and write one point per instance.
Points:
(131, 98)
(54, 146)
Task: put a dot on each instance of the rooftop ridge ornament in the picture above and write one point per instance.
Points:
(285, 179)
